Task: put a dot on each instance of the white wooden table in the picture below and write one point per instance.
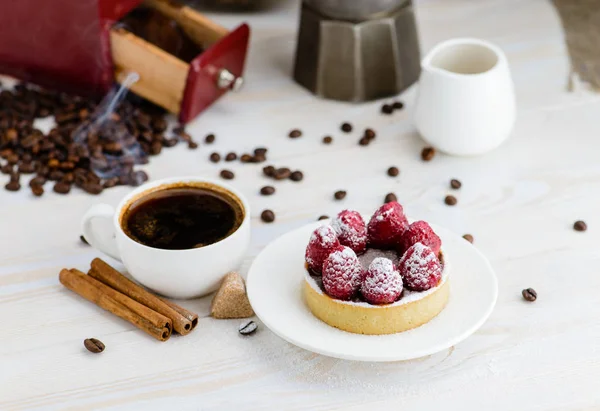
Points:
(519, 202)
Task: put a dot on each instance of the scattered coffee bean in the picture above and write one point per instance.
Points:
(26, 168)
(295, 133)
(92, 188)
(227, 174)
(468, 237)
(94, 345)
(231, 156)
(209, 139)
(370, 133)
(455, 184)
(427, 153)
(37, 181)
(267, 216)
(246, 158)
(393, 171)
(450, 200)
(339, 195)
(37, 190)
(327, 140)
(269, 171)
(387, 109)
(296, 176)
(580, 225)
(258, 158)
(323, 217)
(390, 197)
(215, 157)
(83, 240)
(111, 182)
(346, 127)
(62, 188)
(248, 328)
(13, 186)
(138, 178)
(170, 142)
(267, 190)
(192, 145)
(282, 173)
(398, 105)
(6, 169)
(529, 294)
(364, 141)
(260, 151)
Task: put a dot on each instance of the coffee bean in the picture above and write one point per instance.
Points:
(269, 171)
(246, 158)
(138, 178)
(94, 345)
(370, 134)
(26, 168)
(295, 133)
(529, 294)
(227, 174)
(37, 181)
(296, 176)
(398, 105)
(260, 151)
(170, 142)
(37, 190)
(390, 197)
(258, 158)
(455, 184)
(339, 195)
(267, 216)
(387, 109)
(209, 139)
(427, 153)
(215, 157)
(323, 217)
(580, 225)
(450, 200)
(282, 173)
(469, 238)
(248, 328)
(327, 140)
(56, 175)
(155, 148)
(83, 240)
(267, 190)
(111, 182)
(192, 145)
(364, 141)
(92, 188)
(6, 169)
(231, 156)
(346, 127)
(393, 171)
(13, 186)
(62, 188)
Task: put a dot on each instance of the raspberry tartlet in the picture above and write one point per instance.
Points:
(383, 277)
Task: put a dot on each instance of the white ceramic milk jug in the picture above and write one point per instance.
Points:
(466, 102)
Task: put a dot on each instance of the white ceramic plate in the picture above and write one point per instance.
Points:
(275, 291)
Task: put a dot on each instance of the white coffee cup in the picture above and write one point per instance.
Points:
(466, 101)
(174, 273)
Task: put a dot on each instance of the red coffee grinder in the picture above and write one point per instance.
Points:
(79, 47)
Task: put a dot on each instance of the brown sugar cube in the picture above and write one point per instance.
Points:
(231, 300)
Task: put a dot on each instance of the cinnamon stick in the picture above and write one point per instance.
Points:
(153, 323)
(184, 321)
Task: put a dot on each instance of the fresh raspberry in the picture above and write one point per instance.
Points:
(382, 283)
(419, 232)
(342, 274)
(351, 230)
(323, 242)
(420, 268)
(387, 225)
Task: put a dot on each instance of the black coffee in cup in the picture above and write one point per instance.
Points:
(182, 216)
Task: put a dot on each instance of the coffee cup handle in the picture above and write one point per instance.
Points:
(101, 239)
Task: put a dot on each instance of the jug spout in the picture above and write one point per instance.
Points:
(463, 57)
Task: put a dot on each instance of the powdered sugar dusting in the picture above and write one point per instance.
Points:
(382, 284)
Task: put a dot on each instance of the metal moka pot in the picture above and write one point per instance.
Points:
(357, 50)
